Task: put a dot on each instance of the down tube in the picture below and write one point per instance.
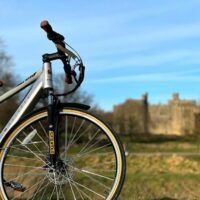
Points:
(30, 97)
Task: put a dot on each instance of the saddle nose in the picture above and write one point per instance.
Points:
(1, 83)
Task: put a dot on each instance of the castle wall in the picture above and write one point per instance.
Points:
(179, 117)
(160, 119)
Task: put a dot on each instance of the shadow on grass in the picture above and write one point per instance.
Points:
(149, 138)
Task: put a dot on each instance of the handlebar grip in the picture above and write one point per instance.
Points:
(51, 34)
(46, 26)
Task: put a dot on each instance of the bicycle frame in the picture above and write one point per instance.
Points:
(41, 80)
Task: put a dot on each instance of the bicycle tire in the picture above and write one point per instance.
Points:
(25, 147)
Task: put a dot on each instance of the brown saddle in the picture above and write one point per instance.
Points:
(1, 83)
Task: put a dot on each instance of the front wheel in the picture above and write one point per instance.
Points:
(92, 162)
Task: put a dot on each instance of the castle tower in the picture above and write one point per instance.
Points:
(146, 112)
(175, 97)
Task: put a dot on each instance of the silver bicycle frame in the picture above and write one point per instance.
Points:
(41, 79)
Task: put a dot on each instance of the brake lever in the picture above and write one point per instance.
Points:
(65, 50)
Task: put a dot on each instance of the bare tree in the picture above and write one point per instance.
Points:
(8, 78)
(79, 96)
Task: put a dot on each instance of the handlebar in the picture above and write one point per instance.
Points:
(64, 54)
(57, 38)
(51, 34)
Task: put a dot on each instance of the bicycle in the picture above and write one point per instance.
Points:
(60, 151)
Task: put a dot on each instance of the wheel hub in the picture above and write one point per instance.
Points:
(63, 173)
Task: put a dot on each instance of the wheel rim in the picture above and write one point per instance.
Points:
(92, 158)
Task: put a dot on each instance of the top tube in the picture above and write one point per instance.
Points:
(20, 86)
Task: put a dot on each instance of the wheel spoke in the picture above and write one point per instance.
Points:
(88, 189)
(72, 140)
(83, 133)
(34, 144)
(16, 197)
(80, 190)
(93, 179)
(26, 166)
(72, 190)
(99, 169)
(22, 157)
(81, 185)
(82, 150)
(32, 152)
(66, 135)
(90, 147)
(45, 132)
(40, 137)
(62, 192)
(57, 194)
(101, 147)
(52, 192)
(39, 188)
(45, 188)
(102, 164)
(99, 175)
(72, 130)
(25, 174)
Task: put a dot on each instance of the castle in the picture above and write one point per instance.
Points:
(178, 117)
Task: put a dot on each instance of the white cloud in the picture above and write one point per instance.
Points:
(175, 56)
(144, 39)
(160, 77)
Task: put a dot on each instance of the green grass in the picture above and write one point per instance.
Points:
(160, 143)
(162, 168)
(160, 186)
(158, 167)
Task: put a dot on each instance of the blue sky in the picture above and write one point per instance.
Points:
(128, 47)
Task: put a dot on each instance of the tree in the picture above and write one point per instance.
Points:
(9, 79)
(79, 96)
(129, 117)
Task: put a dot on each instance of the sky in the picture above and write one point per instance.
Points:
(129, 47)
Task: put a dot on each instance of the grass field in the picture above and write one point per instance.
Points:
(162, 168)
(158, 168)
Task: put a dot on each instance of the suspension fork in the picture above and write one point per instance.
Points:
(53, 115)
(53, 118)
